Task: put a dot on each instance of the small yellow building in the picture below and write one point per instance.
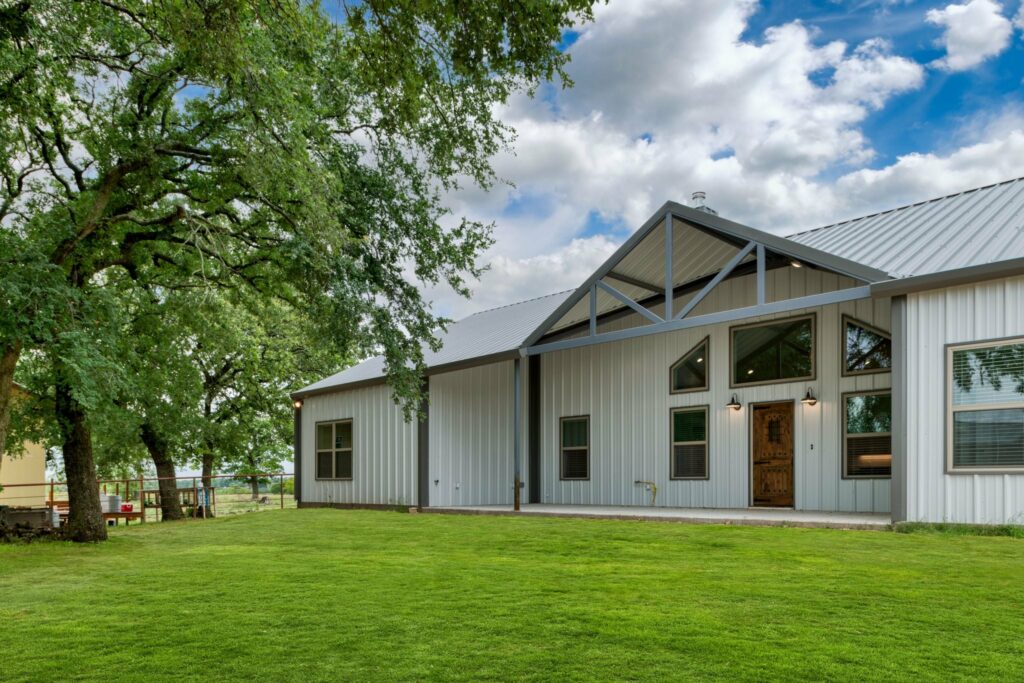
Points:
(27, 468)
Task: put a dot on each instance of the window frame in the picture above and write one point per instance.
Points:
(844, 434)
(334, 451)
(707, 375)
(562, 448)
(813, 317)
(844, 372)
(951, 410)
(672, 443)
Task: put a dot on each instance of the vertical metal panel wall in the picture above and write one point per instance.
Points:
(383, 454)
(989, 310)
(471, 423)
(624, 388)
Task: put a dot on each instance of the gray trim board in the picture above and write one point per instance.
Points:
(636, 283)
(517, 431)
(812, 301)
(423, 449)
(949, 278)
(533, 426)
(898, 503)
(773, 262)
(297, 463)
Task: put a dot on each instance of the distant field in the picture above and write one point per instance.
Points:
(324, 595)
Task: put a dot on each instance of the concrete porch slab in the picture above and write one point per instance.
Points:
(730, 516)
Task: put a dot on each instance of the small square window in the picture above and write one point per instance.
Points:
(866, 350)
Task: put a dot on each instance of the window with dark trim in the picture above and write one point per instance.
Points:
(867, 435)
(985, 423)
(774, 351)
(866, 349)
(334, 450)
(689, 443)
(690, 373)
(575, 447)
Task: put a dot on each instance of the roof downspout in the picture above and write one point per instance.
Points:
(297, 464)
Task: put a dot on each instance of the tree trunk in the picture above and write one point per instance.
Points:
(170, 504)
(8, 360)
(208, 482)
(254, 482)
(85, 517)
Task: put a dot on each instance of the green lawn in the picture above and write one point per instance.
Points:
(310, 595)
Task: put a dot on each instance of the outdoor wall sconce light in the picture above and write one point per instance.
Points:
(297, 404)
(808, 399)
(734, 403)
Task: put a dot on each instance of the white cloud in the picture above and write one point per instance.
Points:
(995, 155)
(1018, 20)
(973, 32)
(769, 126)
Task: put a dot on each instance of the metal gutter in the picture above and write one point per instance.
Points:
(948, 278)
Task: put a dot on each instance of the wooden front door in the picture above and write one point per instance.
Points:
(772, 454)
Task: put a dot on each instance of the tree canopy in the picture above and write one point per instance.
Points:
(172, 146)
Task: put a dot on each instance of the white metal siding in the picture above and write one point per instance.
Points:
(989, 310)
(471, 427)
(383, 454)
(624, 387)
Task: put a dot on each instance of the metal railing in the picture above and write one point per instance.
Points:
(140, 496)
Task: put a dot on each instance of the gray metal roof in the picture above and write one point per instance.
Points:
(971, 228)
(484, 334)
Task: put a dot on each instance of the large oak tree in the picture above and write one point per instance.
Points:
(281, 150)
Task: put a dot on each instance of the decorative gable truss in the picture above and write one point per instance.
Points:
(698, 251)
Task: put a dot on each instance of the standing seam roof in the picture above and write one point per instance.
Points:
(485, 333)
(970, 228)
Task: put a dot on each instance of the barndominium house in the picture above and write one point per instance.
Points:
(875, 365)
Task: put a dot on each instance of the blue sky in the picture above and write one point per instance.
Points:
(788, 114)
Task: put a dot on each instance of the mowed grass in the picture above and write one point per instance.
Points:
(310, 595)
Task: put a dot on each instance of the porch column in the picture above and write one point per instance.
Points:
(297, 457)
(517, 425)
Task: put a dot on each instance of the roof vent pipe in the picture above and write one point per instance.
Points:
(698, 200)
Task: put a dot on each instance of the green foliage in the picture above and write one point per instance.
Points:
(255, 143)
(949, 529)
(289, 487)
(327, 595)
(165, 164)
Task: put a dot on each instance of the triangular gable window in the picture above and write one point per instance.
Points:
(690, 373)
(867, 349)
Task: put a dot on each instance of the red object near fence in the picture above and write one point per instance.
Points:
(127, 507)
